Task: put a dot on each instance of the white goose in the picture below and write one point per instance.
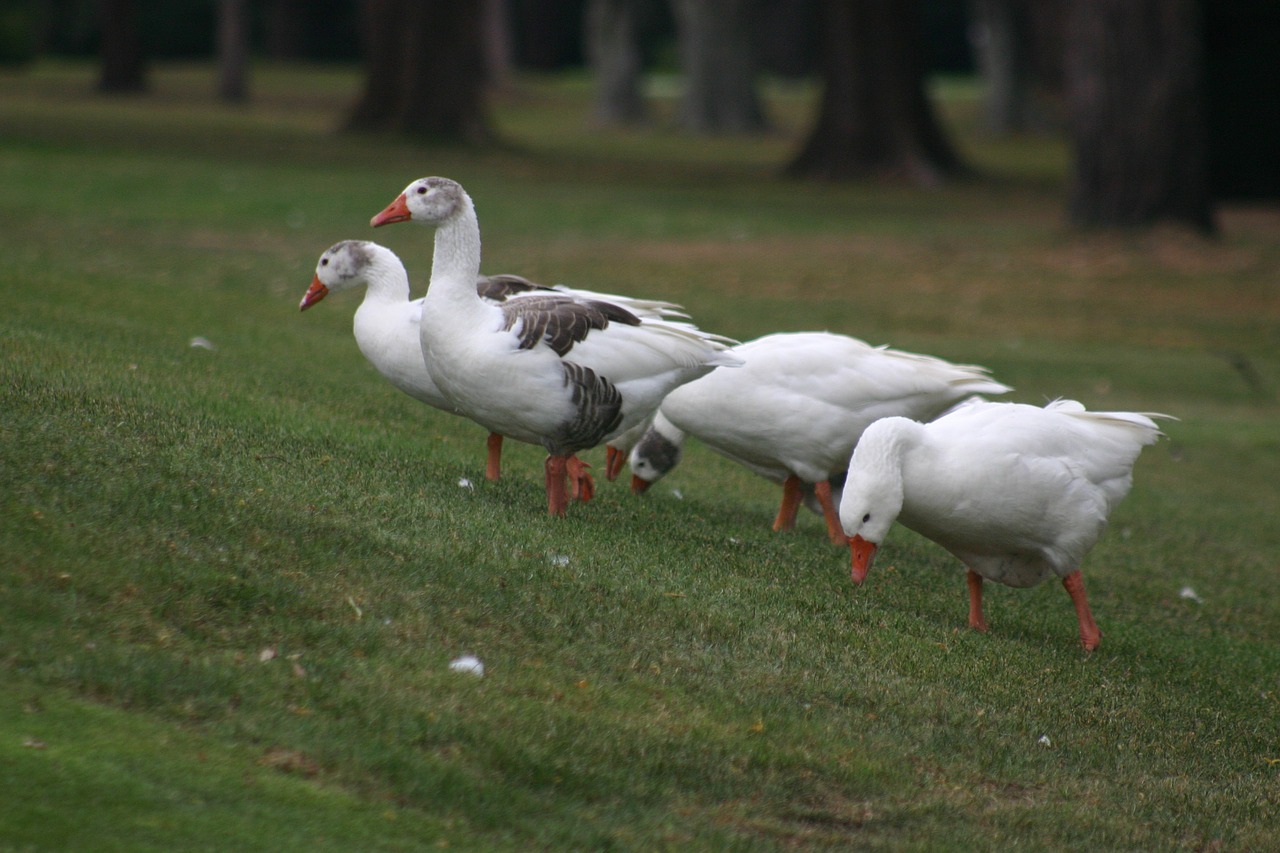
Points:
(795, 409)
(551, 370)
(1018, 493)
(386, 324)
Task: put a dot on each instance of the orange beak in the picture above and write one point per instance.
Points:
(397, 211)
(315, 293)
(638, 486)
(863, 553)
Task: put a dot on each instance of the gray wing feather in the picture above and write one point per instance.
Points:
(500, 288)
(598, 410)
(561, 322)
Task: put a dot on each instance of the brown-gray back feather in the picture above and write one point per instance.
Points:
(499, 288)
(559, 321)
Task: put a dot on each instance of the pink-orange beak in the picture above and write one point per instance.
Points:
(863, 553)
(638, 486)
(315, 293)
(397, 211)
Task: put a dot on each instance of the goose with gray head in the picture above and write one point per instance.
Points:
(795, 409)
(549, 369)
(1019, 494)
(386, 324)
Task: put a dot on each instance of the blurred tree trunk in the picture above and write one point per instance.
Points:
(1047, 33)
(382, 43)
(444, 84)
(1002, 38)
(283, 21)
(122, 63)
(233, 50)
(717, 59)
(499, 61)
(786, 37)
(1138, 122)
(424, 71)
(547, 33)
(613, 52)
(875, 119)
(1242, 90)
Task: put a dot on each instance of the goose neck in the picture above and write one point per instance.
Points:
(456, 262)
(387, 282)
(668, 430)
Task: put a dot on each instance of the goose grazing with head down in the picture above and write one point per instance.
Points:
(1017, 493)
(564, 373)
(386, 323)
(795, 409)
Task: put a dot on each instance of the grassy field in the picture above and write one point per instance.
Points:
(232, 579)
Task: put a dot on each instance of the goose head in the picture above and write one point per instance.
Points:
(429, 201)
(655, 454)
(343, 266)
(873, 491)
(865, 539)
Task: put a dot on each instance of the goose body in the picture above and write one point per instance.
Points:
(795, 409)
(1017, 493)
(564, 373)
(386, 324)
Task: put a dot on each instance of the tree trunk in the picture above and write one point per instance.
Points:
(786, 37)
(875, 119)
(718, 61)
(499, 54)
(285, 32)
(1242, 90)
(233, 50)
(381, 39)
(424, 71)
(547, 33)
(444, 83)
(613, 51)
(1138, 123)
(1001, 38)
(122, 63)
(1047, 29)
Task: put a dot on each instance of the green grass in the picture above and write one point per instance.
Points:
(231, 580)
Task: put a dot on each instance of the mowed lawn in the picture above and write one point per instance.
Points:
(233, 574)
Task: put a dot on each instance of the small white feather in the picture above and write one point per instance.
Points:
(468, 663)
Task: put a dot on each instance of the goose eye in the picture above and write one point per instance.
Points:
(324, 262)
(866, 518)
(422, 190)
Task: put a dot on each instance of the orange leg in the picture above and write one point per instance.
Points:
(557, 498)
(975, 602)
(786, 519)
(581, 486)
(822, 489)
(614, 459)
(493, 467)
(1090, 636)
